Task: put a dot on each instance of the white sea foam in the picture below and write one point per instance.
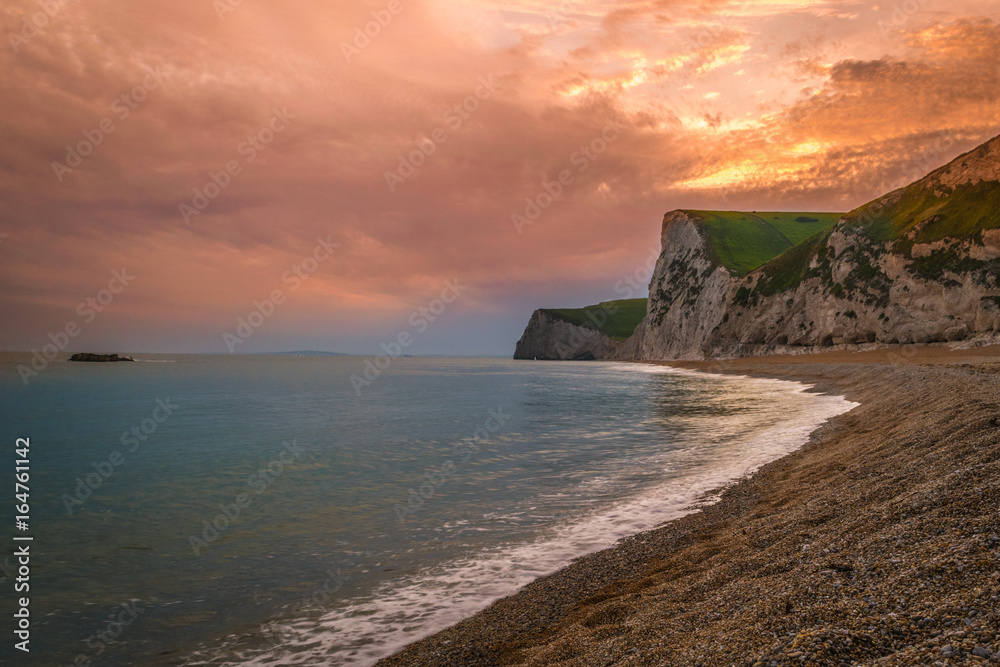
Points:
(407, 609)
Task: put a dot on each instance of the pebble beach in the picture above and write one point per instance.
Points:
(876, 543)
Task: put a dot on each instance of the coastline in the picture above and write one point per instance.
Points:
(874, 541)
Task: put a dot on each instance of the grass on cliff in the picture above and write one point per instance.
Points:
(615, 319)
(933, 213)
(788, 269)
(920, 213)
(744, 241)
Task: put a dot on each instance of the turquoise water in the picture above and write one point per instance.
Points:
(257, 510)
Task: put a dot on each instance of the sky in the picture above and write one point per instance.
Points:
(247, 176)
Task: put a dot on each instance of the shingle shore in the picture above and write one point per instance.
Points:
(876, 543)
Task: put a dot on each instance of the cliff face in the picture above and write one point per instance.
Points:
(549, 337)
(918, 265)
(688, 294)
(897, 303)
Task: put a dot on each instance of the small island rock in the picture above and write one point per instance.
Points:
(88, 356)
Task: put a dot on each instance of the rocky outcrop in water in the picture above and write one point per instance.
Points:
(91, 357)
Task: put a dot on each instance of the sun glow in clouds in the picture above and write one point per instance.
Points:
(785, 166)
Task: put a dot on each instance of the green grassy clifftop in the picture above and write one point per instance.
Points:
(615, 319)
(742, 241)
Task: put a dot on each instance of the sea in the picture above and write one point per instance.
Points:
(280, 510)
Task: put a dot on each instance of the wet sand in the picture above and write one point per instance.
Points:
(878, 542)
